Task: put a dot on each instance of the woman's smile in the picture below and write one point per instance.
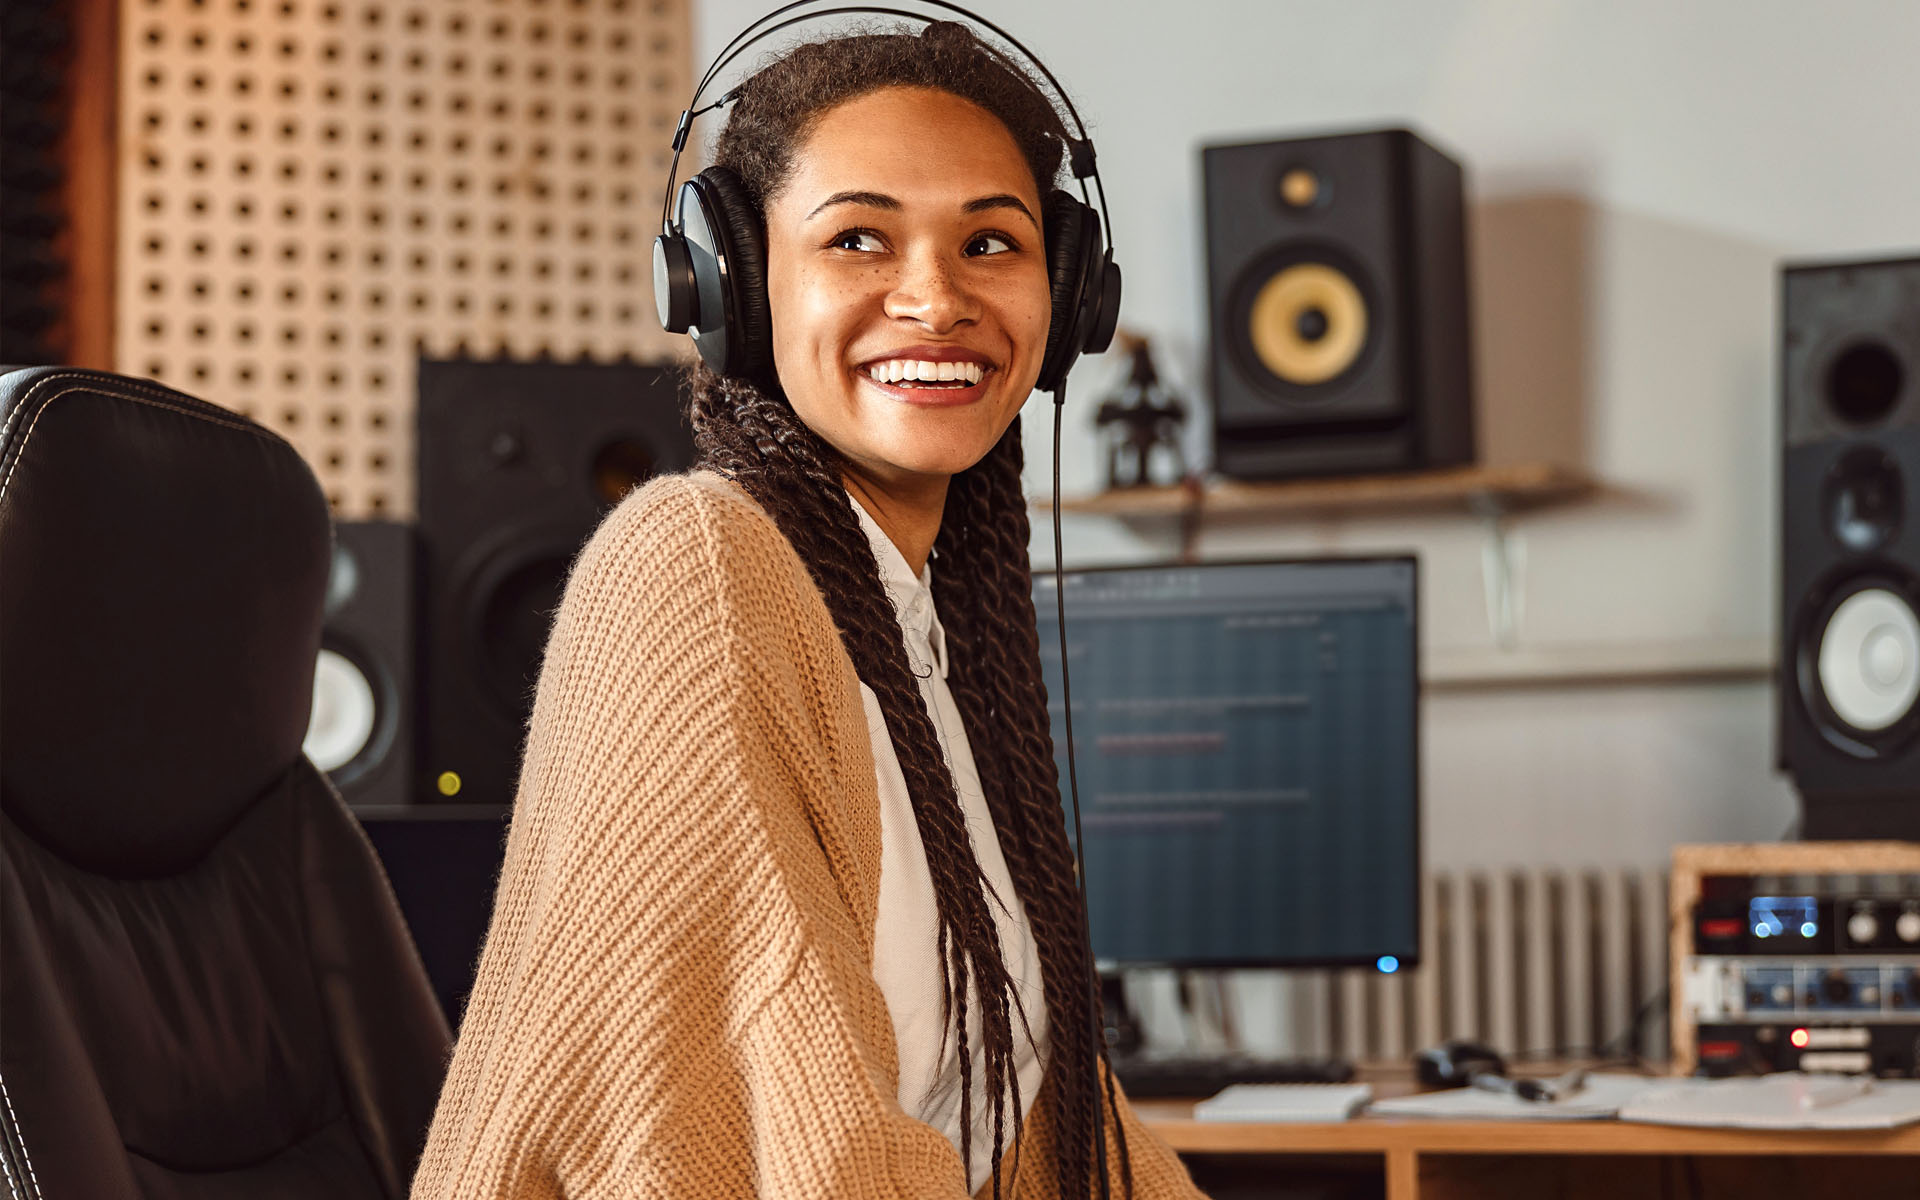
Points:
(932, 376)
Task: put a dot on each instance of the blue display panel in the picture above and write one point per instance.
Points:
(1247, 739)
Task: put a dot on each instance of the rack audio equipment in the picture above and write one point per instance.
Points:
(1797, 957)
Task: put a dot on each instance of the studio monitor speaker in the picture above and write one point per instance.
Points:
(1337, 293)
(1849, 664)
(518, 462)
(362, 727)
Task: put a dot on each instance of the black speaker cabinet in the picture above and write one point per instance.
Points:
(518, 462)
(362, 728)
(1337, 292)
(1849, 721)
(443, 861)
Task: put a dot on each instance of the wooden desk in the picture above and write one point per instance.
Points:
(1402, 1158)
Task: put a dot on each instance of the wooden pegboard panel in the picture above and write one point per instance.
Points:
(313, 192)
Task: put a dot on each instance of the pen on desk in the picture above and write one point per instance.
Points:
(1559, 1088)
(1538, 1091)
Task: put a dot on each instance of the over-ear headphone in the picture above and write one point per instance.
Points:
(709, 262)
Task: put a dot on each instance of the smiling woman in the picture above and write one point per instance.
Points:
(789, 908)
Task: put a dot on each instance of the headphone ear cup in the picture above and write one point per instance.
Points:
(738, 232)
(1073, 234)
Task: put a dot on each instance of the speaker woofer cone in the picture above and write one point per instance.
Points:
(1858, 663)
(1307, 324)
(1869, 661)
(355, 713)
(1302, 321)
(508, 591)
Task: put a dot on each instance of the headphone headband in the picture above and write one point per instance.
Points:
(1080, 155)
(709, 263)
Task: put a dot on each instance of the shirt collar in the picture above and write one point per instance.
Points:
(912, 597)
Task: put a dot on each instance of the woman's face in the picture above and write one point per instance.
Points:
(907, 282)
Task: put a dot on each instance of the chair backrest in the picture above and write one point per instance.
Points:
(208, 987)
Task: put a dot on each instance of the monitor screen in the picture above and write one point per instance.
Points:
(1247, 752)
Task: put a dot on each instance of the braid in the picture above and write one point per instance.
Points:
(997, 684)
(742, 432)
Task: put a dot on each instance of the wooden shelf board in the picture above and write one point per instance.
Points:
(1508, 488)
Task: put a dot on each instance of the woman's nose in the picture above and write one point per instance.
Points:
(930, 291)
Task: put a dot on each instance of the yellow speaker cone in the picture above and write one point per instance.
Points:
(1308, 323)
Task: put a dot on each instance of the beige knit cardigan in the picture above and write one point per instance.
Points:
(676, 998)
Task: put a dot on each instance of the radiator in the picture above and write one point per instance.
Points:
(1531, 961)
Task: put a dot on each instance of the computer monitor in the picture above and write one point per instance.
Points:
(1247, 748)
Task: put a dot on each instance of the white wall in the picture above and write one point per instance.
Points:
(1637, 170)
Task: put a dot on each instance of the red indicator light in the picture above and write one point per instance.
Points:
(1799, 1038)
(1719, 1050)
(1721, 927)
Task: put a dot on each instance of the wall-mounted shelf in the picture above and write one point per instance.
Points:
(1480, 491)
(1490, 494)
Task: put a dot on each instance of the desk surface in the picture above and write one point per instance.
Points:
(1172, 1120)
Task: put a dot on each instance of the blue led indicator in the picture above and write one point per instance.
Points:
(1780, 916)
(1388, 964)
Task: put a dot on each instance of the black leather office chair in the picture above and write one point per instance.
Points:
(207, 988)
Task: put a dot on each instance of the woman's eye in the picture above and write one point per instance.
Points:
(989, 243)
(857, 239)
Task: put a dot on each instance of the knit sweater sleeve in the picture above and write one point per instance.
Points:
(673, 999)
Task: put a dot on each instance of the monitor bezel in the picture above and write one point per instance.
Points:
(1416, 695)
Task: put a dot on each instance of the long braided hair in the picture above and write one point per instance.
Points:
(747, 430)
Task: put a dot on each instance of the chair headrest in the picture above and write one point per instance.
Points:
(163, 564)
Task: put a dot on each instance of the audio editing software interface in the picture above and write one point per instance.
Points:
(1246, 741)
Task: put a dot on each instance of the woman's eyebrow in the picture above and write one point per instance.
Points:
(883, 201)
(999, 202)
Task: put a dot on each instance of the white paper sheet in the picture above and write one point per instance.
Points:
(1790, 1100)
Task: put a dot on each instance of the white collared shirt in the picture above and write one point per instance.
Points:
(906, 963)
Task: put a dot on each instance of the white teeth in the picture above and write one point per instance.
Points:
(894, 370)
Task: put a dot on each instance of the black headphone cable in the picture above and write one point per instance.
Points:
(1073, 789)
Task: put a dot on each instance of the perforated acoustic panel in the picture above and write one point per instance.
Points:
(313, 193)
